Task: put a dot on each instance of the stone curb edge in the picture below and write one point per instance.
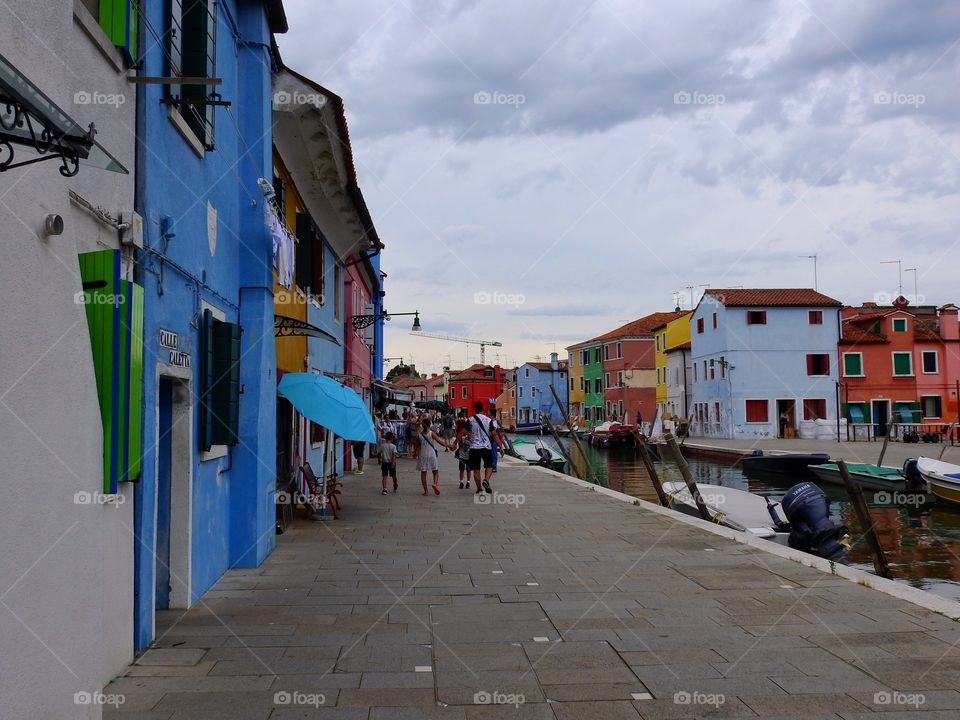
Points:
(921, 598)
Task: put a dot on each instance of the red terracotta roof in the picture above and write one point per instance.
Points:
(771, 297)
(562, 365)
(474, 372)
(925, 330)
(854, 334)
(642, 327)
(681, 346)
(664, 323)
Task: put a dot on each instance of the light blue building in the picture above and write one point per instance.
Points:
(206, 499)
(534, 399)
(763, 362)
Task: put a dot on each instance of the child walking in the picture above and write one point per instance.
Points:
(388, 461)
(427, 462)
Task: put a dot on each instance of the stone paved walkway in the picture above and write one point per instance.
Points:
(568, 605)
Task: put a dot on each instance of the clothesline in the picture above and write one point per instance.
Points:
(284, 241)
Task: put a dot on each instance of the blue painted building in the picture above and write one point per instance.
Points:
(206, 499)
(534, 398)
(763, 362)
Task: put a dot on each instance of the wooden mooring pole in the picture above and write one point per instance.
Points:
(678, 458)
(651, 470)
(863, 515)
(556, 436)
(588, 468)
(883, 449)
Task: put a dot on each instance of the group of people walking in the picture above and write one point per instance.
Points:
(477, 440)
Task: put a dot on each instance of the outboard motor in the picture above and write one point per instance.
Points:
(546, 457)
(807, 509)
(912, 474)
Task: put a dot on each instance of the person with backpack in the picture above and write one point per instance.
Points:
(482, 429)
(429, 455)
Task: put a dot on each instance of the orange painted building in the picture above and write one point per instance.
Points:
(899, 364)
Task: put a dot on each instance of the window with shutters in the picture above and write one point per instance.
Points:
(931, 406)
(818, 364)
(191, 51)
(756, 317)
(118, 19)
(814, 409)
(757, 411)
(853, 364)
(902, 364)
(699, 326)
(899, 324)
(219, 382)
(815, 317)
(714, 321)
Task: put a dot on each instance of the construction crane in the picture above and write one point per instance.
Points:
(470, 341)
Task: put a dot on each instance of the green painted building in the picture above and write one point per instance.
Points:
(592, 383)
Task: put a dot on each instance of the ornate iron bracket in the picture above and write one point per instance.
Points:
(284, 326)
(42, 136)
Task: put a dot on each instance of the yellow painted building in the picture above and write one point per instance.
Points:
(575, 393)
(291, 351)
(667, 336)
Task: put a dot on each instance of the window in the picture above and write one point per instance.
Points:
(930, 406)
(902, 363)
(818, 364)
(619, 379)
(513, 393)
(309, 260)
(814, 409)
(899, 324)
(584, 355)
(520, 391)
(694, 372)
(712, 370)
(596, 355)
(533, 392)
(815, 317)
(606, 379)
(663, 340)
(581, 384)
(723, 367)
(714, 321)
(572, 386)
(526, 372)
(219, 382)
(191, 52)
(337, 290)
(659, 381)
(853, 364)
(758, 411)
(464, 393)
(488, 373)
(756, 317)
(930, 362)
(657, 341)
(699, 326)
(704, 369)
(453, 392)
(606, 352)
(619, 351)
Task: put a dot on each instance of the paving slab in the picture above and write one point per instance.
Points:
(572, 604)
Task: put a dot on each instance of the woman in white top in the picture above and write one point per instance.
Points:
(427, 462)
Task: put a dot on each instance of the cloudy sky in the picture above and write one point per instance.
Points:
(543, 171)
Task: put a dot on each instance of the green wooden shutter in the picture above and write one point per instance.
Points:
(852, 365)
(118, 18)
(220, 382)
(198, 59)
(114, 309)
(901, 364)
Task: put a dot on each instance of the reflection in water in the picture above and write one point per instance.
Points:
(922, 541)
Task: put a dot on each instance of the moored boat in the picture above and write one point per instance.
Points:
(613, 434)
(537, 453)
(793, 464)
(874, 477)
(942, 478)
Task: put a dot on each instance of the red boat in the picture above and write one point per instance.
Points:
(613, 434)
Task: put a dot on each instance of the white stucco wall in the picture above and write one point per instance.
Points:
(66, 569)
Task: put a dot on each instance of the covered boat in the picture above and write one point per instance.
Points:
(613, 434)
(537, 453)
(793, 464)
(873, 477)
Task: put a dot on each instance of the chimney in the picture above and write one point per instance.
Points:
(553, 361)
(949, 323)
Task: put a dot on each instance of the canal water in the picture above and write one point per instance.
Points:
(921, 541)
